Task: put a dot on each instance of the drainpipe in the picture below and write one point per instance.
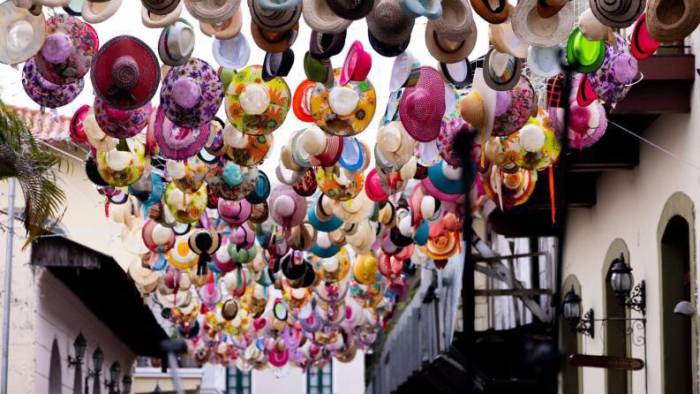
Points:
(8, 283)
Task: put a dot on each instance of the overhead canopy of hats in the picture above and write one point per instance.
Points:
(309, 269)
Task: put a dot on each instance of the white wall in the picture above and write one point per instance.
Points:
(629, 206)
(61, 315)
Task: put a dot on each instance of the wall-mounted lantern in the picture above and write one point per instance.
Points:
(622, 283)
(115, 372)
(571, 311)
(80, 345)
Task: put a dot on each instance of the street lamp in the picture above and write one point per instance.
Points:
(80, 345)
(571, 311)
(97, 359)
(622, 283)
(113, 383)
(126, 384)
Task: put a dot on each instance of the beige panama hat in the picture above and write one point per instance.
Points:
(505, 40)
(319, 16)
(535, 30)
(94, 11)
(21, 33)
(151, 19)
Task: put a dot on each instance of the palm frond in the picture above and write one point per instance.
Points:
(21, 157)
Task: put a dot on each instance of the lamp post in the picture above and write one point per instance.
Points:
(80, 345)
(113, 383)
(126, 384)
(97, 360)
(622, 283)
(571, 311)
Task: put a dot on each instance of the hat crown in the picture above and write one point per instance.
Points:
(57, 48)
(20, 35)
(254, 99)
(125, 72)
(186, 92)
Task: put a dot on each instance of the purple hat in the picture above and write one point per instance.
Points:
(67, 52)
(191, 94)
(178, 142)
(612, 80)
(514, 107)
(287, 208)
(451, 127)
(120, 123)
(45, 93)
(423, 106)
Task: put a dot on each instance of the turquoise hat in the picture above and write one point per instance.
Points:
(431, 9)
(421, 236)
(327, 226)
(325, 252)
(278, 5)
(442, 182)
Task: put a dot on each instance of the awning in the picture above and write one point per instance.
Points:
(105, 288)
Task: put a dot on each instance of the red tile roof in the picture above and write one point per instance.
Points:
(45, 126)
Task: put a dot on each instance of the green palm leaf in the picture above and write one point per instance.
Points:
(33, 167)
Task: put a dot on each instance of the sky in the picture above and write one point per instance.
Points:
(128, 21)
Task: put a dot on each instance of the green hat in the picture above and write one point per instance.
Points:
(582, 54)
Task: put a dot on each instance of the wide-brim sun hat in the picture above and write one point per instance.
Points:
(226, 29)
(68, 50)
(253, 152)
(544, 61)
(538, 31)
(394, 146)
(422, 106)
(155, 17)
(191, 94)
(672, 20)
(642, 44)
(274, 20)
(509, 189)
(505, 40)
(582, 54)
(485, 104)
(212, 11)
(45, 93)
(337, 183)
(322, 220)
(176, 142)
(119, 123)
(614, 78)
(321, 18)
(94, 11)
(448, 51)
(287, 208)
(343, 110)
(501, 70)
(255, 106)
(233, 53)
(617, 14)
(22, 33)
(125, 73)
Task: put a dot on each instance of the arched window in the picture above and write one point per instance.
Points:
(676, 240)
(55, 384)
(570, 375)
(617, 381)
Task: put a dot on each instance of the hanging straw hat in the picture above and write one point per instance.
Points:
(423, 106)
(501, 70)
(351, 10)
(538, 31)
(119, 123)
(191, 94)
(96, 11)
(21, 33)
(617, 14)
(175, 142)
(591, 28)
(319, 16)
(287, 208)
(490, 13)
(176, 43)
(212, 11)
(642, 44)
(452, 37)
(157, 14)
(672, 20)
(505, 40)
(275, 20)
(389, 27)
(225, 29)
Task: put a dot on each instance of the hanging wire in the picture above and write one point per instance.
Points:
(655, 145)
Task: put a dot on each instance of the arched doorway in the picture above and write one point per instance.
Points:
(570, 375)
(617, 381)
(676, 243)
(55, 384)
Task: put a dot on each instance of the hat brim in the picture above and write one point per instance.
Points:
(525, 20)
(99, 11)
(502, 85)
(360, 11)
(442, 54)
(321, 18)
(388, 50)
(9, 14)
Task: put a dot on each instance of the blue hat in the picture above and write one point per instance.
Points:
(352, 157)
(331, 224)
(325, 252)
(421, 236)
(442, 183)
(431, 9)
(278, 5)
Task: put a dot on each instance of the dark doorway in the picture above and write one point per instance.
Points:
(676, 286)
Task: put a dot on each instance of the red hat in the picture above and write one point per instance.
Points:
(423, 106)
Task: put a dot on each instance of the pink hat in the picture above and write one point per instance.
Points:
(423, 106)
(357, 64)
(373, 187)
(642, 44)
(178, 142)
(234, 212)
(287, 208)
(119, 123)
